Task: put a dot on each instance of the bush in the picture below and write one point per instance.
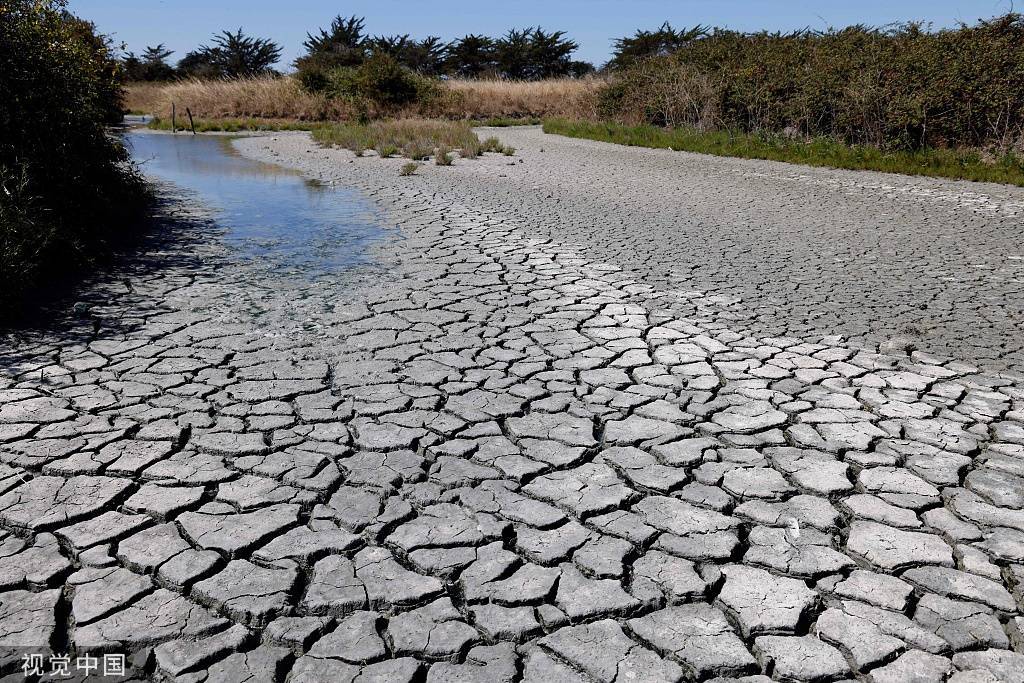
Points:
(380, 80)
(650, 93)
(895, 88)
(67, 190)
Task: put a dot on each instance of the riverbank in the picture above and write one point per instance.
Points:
(956, 164)
(966, 164)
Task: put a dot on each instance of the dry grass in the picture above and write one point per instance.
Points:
(265, 98)
(284, 98)
(558, 97)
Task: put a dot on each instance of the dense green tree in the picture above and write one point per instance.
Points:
(528, 53)
(549, 54)
(341, 44)
(423, 56)
(512, 54)
(232, 55)
(662, 41)
(471, 56)
(152, 65)
(532, 53)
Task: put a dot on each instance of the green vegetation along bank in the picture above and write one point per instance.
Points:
(941, 163)
(67, 191)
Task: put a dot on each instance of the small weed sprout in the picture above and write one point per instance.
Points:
(492, 144)
(409, 168)
(443, 156)
(508, 151)
(386, 151)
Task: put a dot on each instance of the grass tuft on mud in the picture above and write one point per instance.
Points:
(940, 163)
(412, 138)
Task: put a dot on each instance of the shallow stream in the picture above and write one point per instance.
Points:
(266, 212)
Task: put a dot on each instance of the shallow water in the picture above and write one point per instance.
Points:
(267, 212)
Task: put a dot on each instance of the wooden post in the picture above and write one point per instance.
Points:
(191, 123)
(174, 124)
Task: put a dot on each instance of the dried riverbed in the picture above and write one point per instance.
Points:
(507, 446)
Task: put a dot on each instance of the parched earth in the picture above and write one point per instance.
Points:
(497, 456)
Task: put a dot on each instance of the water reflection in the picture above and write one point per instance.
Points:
(267, 212)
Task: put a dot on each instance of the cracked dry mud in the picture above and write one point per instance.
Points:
(495, 457)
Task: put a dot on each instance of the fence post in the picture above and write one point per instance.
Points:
(191, 123)
(174, 124)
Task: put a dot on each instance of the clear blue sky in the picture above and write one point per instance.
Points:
(183, 24)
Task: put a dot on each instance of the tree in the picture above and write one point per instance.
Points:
(663, 41)
(342, 44)
(151, 66)
(232, 55)
(471, 56)
(198, 64)
(426, 56)
(512, 54)
(393, 46)
(549, 54)
(579, 69)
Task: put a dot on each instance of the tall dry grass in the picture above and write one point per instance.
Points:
(261, 97)
(556, 97)
(284, 98)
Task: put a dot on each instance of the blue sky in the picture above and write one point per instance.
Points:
(183, 24)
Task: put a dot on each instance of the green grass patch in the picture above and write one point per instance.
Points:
(940, 163)
(232, 125)
(412, 138)
(506, 122)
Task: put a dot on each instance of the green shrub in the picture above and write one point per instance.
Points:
(380, 80)
(409, 168)
(67, 192)
(898, 88)
(315, 80)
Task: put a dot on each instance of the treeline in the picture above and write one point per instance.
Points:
(901, 87)
(520, 54)
(229, 55)
(66, 192)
